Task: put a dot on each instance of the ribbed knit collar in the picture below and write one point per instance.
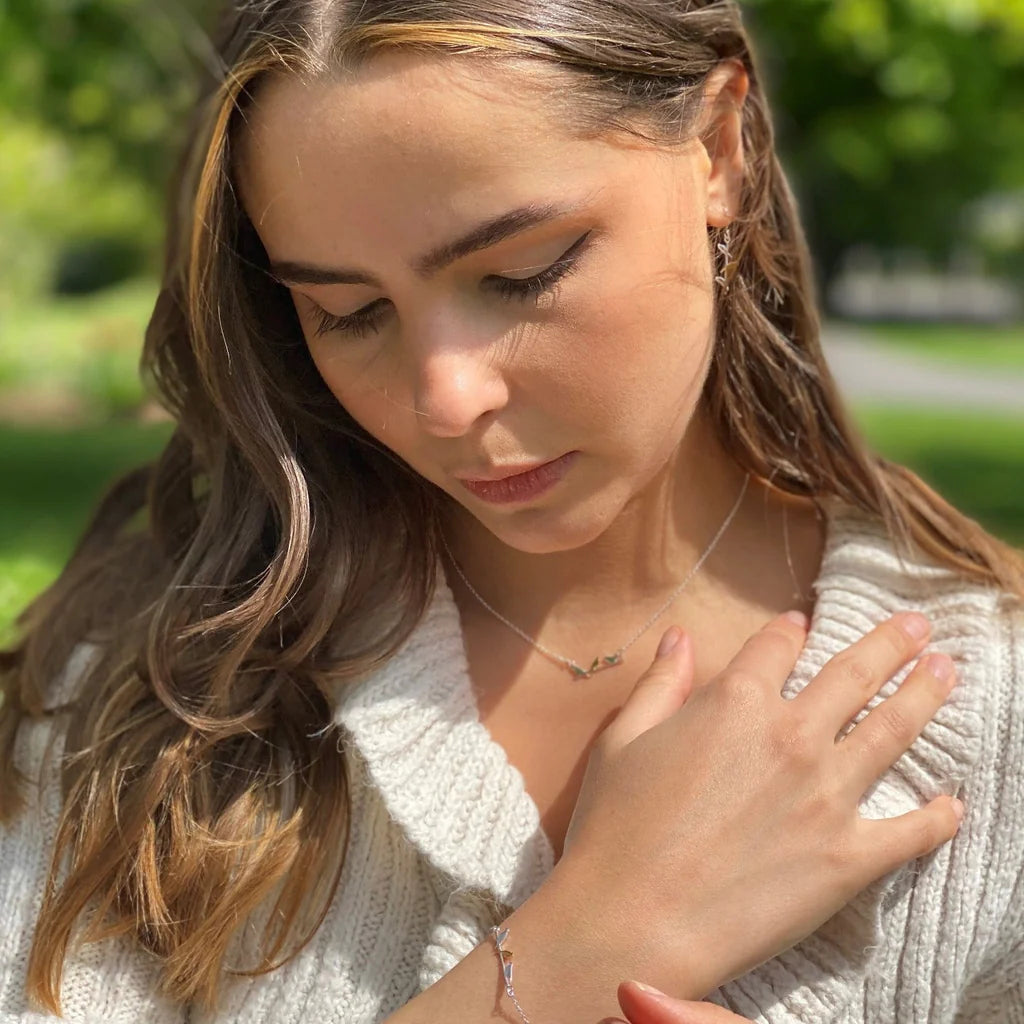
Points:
(451, 788)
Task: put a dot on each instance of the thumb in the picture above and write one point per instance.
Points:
(645, 1005)
(661, 691)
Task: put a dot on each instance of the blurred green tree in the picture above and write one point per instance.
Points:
(92, 102)
(119, 71)
(895, 114)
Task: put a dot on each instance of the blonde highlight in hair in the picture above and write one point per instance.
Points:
(203, 778)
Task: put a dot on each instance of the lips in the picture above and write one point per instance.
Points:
(509, 484)
(501, 473)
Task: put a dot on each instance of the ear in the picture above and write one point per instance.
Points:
(721, 136)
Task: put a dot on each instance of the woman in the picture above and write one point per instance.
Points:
(489, 334)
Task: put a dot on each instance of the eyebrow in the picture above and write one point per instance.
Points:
(484, 235)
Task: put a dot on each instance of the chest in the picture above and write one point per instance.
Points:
(549, 746)
(546, 721)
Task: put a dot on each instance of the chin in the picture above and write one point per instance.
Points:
(546, 531)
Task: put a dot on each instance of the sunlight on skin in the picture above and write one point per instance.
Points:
(459, 379)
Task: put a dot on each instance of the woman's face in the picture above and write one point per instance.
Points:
(580, 322)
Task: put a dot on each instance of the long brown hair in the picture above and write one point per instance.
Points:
(232, 586)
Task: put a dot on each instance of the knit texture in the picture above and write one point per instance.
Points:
(444, 837)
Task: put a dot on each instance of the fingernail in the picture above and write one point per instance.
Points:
(651, 991)
(958, 808)
(798, 619)
(941, 666)
(915, 625)
(669, 642)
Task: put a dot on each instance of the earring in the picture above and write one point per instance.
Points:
(729, 265)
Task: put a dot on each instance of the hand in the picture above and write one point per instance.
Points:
(644, 1005)
(715, 830)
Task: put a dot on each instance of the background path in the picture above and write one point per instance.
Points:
(871, 371)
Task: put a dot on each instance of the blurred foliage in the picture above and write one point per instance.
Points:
(80, 351)
(56, 192)
(116, 70)
(895, 114)
(93, 99)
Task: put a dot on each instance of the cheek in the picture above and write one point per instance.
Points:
(355, 383)
(639, 356)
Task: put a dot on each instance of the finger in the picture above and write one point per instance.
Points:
(893, 842)
(892, 726)
(659, 692)
(850, 679)
(645, 1005)
(770, 655)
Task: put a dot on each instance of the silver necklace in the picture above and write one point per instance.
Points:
(616, 657)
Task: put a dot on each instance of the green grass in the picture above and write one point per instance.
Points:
(991, 348)
(977, 462)
(52, 480)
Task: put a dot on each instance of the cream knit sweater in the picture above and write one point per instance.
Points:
(442, 827)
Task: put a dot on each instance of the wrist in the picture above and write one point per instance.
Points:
(564, 969)
(622, 937)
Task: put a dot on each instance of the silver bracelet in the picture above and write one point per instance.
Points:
(499, 935)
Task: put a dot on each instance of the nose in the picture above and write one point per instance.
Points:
(456, 385)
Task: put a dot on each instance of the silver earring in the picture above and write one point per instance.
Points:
(729, 265)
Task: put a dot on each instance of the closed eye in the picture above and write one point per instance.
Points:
(512, 287)
(368, 319)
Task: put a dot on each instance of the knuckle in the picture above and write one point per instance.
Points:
(820, 805)
(794, 739)
(773, 639)
(856, 672)
(734, 685)
(896, 723)
(769, 644)
(737, 697)
(840, 855)
(844, 851)
(872, 745)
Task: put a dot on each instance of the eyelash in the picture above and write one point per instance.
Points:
(363, 321)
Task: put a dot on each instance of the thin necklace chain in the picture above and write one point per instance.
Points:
(616, 657)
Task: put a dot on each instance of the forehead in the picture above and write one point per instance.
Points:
(400, 116)
(443, 139)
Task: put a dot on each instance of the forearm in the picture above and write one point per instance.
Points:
(566, 968)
